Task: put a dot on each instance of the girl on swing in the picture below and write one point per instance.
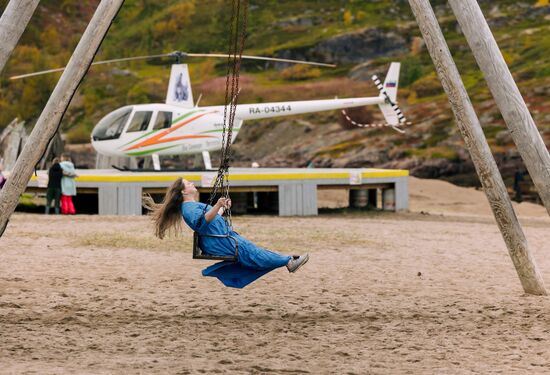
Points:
(252, 261)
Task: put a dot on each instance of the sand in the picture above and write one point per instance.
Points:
(410, 293)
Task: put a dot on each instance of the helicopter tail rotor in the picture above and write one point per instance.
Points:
(391, 111)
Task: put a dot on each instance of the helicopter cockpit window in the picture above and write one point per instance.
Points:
(110, 127)
(163, 120)
(140, 121)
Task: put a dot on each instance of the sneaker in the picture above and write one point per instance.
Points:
(297, 262)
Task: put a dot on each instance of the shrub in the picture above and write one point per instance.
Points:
(427, 86)
(77, 135)
(411, 70)
(150, 90)
(300, 73)
(348, 18)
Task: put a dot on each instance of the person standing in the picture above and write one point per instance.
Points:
(68, 185)
(53, 192)
(518, 178)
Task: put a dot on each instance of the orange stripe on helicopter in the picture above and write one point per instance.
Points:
(157, 138)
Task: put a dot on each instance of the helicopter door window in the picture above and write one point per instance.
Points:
(110, 127)
(163, 120)
(140, 121)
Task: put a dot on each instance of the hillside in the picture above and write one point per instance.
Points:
(361, 37)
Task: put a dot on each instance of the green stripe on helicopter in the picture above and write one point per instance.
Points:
(217, 131)
(138, 138)
(156, 130)
(187, 115)
(141, 153)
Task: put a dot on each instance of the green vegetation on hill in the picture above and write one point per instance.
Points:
(275, 27)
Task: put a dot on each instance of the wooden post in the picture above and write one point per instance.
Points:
(13, 22)
(480, 152)
(49, 119)
(516, 115)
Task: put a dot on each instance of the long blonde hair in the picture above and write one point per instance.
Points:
(167, 215)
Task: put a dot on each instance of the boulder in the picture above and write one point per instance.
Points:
(365, 71)
(434, 168)
(351, 48)
(360, 46)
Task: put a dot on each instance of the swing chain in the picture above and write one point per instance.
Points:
(221, 184)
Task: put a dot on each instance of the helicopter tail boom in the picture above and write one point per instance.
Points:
(278, 109)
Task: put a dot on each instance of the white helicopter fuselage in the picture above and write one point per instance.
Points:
(178, 127)
(160, 129)
(198, 129)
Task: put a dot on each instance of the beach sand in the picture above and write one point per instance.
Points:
(431, 291)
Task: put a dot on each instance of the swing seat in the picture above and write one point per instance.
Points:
(198, 253)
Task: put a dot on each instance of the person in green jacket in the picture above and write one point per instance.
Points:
(68, 185)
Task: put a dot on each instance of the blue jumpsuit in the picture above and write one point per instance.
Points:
(253, 261)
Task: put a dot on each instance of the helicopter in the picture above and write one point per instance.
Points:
(180, 127)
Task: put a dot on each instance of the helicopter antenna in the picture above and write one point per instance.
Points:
(198, 100)
(235, 96)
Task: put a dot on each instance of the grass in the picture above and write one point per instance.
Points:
(434, 153)
(118, 240)
(341, 148)
(310, 236)
(491, 131)
(274, 236)
(30, 203)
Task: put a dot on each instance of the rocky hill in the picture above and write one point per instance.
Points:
(361, 37)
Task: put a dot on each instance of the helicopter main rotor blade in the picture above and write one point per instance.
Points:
(37, 73)
(94, 63)
(249, 57)
(178, 55)
(131, 58)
